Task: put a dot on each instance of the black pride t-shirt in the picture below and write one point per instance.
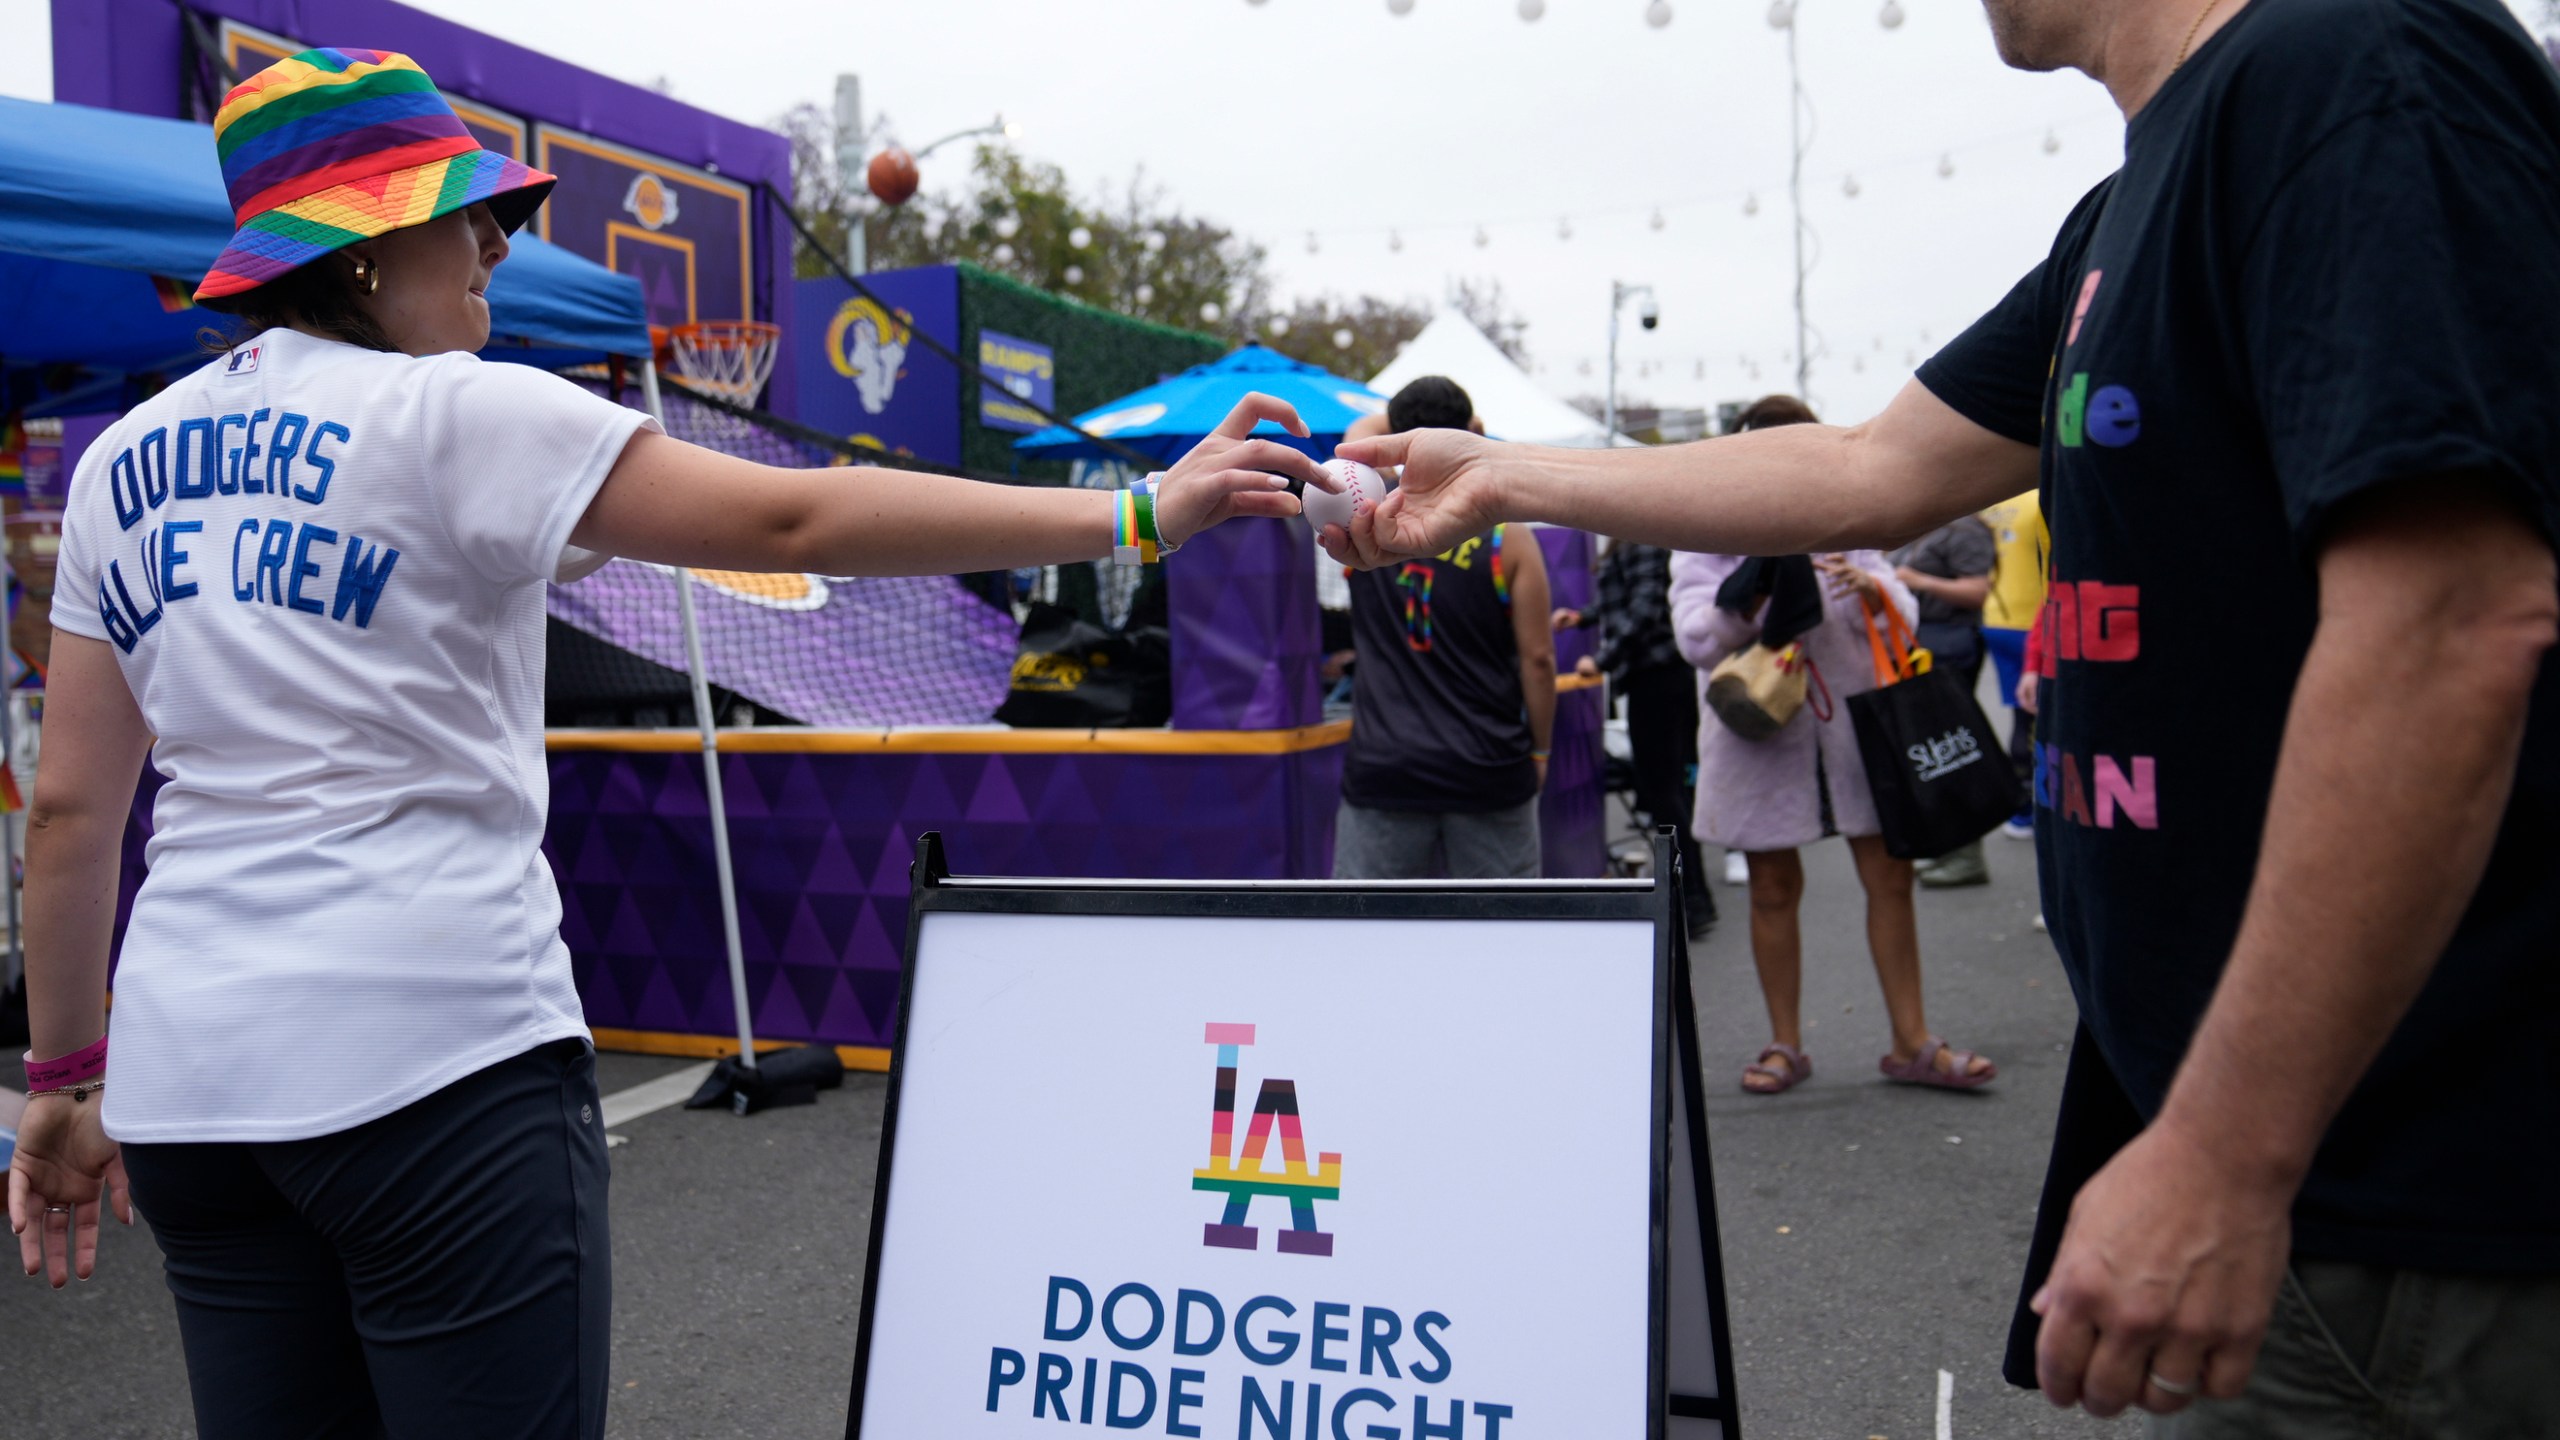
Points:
(2330, 262)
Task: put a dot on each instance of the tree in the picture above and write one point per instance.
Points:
(1353, 338)
(1020, 217)
(1481, 302)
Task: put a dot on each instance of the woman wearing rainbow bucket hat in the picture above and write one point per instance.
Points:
(354, 1092)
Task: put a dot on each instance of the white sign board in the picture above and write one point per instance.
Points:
(1269, 1163)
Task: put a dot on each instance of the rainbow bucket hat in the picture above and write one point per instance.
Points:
(331, 147)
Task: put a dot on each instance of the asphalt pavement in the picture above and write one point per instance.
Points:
(1872, 1234)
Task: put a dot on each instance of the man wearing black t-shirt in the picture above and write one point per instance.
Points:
(2299, 769)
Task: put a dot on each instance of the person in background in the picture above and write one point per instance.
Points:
(1456, 697)
(1641, 656)
(1949, 569)
(1769, 798)
(2017, 592)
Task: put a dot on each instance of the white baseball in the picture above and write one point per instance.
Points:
(1362, 489)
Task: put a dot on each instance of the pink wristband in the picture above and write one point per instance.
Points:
(81, 1066)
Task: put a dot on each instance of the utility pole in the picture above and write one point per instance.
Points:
(1795, 204)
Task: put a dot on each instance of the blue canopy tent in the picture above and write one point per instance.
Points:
(1169, 417)
(94, 203)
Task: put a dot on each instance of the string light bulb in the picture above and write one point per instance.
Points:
(1750, 205)
(1657, 222)
(1782, 14)
(1312, 247)
(1146, 293)
(1278, 327)
(1003, 255)
(1890, 17)
(2052, 143)
(1342, 338)
(1210, 312)
(1154, 242)
(1399, 7)
(1395, 241)
(1564, 227)
(1007, 227)
(1079, 238)
(1849, 186)
(1946, 167)
(1075, 275)
(1482, 238)
(1533, 11)
(1658, 14)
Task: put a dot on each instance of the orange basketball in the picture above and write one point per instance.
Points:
(892, 176)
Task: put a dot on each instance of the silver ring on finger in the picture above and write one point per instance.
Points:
(2172, 1387)
(57, 1209)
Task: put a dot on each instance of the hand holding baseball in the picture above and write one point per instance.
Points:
(1228, 474)
(1451, 489)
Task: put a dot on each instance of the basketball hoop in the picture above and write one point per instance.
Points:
(728, 358)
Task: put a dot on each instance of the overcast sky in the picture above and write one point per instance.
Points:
(1338, 117)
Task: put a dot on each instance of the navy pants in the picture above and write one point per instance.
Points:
(442, 1271)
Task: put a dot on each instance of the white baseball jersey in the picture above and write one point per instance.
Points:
(321, 569)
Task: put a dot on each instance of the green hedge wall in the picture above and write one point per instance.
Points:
(1101, 356)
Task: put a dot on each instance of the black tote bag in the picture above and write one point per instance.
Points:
(1071, 674)
(1938, 772)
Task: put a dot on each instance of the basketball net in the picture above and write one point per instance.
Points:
(731, 359)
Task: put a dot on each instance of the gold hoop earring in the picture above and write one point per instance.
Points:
(368, 276)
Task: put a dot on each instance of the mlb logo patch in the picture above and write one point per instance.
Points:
(244, 361)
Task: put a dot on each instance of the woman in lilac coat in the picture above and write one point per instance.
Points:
(1769, 797)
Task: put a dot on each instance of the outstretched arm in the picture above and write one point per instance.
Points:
(1781, 491)
(679, 504)
(2378, 831)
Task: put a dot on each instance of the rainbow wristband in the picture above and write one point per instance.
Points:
(81, 1066)
(1134, 538)
(1127, 546)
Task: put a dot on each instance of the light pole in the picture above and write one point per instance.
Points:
(851, 140)
(1009, 129)
(1649, 314)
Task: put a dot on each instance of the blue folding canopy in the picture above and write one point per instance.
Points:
(1169, 417)
(94, 203)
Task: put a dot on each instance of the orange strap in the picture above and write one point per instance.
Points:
(1892, 648)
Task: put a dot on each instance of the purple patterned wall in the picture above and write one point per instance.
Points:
(1573, 814)
(1245, 644)
(822, 845)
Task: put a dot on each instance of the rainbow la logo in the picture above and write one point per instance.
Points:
(1242, 1177)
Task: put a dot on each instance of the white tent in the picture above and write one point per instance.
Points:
(1511, 404)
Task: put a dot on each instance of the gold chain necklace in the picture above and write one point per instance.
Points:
(2189, 43)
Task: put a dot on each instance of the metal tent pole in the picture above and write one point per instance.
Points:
(710, 764)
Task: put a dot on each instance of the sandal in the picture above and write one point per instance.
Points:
(1797, 1069)
(1922, 1068)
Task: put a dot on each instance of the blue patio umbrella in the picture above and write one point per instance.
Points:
(1169, 417)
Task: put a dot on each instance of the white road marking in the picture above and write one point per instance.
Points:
(1946, 1406)
(624, 1106)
